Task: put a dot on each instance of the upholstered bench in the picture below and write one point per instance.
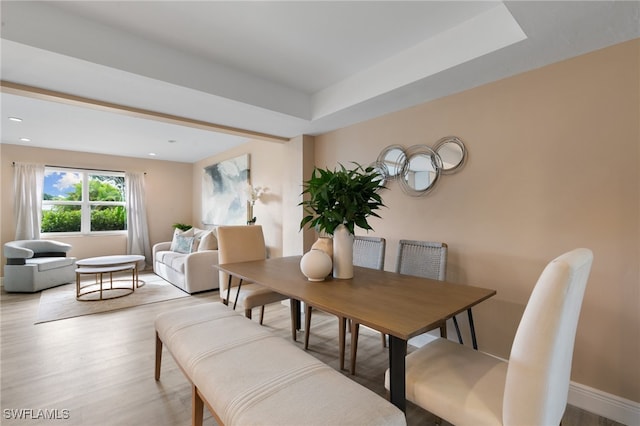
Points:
(247, 375)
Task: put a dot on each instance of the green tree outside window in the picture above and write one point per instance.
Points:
(66, 198)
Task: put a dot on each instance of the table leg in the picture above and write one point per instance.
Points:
(342, 325)
(298, 314)
(77, 285)
(136, 282)
(397, 352)
(294, 307)
(100, 285)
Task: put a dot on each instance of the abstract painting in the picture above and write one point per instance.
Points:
(224, 199)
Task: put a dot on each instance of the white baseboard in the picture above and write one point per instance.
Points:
(604, 404)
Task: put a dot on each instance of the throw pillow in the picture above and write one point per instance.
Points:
(208, 242)
(176, 233)
(198, 234)
(183, 244)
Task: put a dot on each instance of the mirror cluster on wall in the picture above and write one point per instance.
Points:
(418, 167)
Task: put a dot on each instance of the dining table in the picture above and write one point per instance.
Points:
(402, 306)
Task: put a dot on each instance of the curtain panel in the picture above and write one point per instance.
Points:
(137, 228)
(28, 181)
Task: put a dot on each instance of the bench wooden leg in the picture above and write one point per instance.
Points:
(158, 356)
(197, 407)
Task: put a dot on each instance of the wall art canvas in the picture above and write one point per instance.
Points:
(224, 199)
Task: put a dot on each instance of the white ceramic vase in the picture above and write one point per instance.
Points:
(315, 265)
(342, 253)
(325, 244)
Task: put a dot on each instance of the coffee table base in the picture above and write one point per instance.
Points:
(101, 289)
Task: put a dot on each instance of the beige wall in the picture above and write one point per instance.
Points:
(553, 165)
(268, 169)
(167, 184)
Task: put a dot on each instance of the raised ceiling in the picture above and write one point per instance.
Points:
(274, 69)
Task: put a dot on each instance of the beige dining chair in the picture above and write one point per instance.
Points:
(468, 387)
(242, 244)
(368, 252)
(425, 259)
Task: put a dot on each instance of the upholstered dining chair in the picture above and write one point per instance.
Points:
(368, 252)
(468, 387)
(243, 244)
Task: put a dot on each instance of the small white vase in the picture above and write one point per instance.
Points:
(342, 253)
(315, 265)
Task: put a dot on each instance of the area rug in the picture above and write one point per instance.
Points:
(60, 302)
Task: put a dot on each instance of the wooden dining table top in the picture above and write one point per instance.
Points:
(403, 306)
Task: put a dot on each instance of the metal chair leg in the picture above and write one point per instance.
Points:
(473, 329)
(455, 323)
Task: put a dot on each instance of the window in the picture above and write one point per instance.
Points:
(83, 202)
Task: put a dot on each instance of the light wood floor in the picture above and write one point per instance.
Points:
(98, 369)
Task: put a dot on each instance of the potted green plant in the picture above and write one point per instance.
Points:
(181, 226)
(337, 201)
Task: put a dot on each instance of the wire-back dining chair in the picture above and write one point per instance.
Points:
(429, 260)
(423, 259)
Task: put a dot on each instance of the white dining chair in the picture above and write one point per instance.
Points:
(468, 387)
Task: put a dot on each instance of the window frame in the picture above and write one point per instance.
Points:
(85, 204)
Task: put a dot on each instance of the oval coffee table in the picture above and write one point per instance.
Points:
(107, 264)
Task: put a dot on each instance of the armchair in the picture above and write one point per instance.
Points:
(34, 265)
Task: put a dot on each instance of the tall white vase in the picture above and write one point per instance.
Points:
(342, 253)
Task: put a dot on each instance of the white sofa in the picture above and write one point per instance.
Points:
(188, 260)
(34, 265)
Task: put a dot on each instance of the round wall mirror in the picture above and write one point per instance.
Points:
(381, 169)
(452, 152)
(421, 170)
(393, 159)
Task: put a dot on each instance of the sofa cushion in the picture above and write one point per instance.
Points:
(172, 259)
(49, 263)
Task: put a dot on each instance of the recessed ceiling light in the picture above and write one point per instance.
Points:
(16, 119)
(172, 141)
(152, 154)
(25, 140)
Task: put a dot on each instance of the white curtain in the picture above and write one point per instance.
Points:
(137, 228)
(28, 183)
